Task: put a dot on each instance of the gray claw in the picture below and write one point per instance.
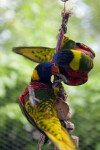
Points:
(57, 82)
(62, 78)
(32, 97)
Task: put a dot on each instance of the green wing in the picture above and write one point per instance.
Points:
(36, 54)
(68, 43)
(43, 54)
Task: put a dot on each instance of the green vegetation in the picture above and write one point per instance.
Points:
(36, 23)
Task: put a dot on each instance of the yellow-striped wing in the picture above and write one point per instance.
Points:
(45, 117)
(36, 54)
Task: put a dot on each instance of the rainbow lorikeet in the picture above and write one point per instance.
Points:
(38, 104)
(75, 60)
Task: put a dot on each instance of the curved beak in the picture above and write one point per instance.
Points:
(55, 70)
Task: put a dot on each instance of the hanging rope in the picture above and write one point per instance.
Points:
(40, 141)
(63, 29)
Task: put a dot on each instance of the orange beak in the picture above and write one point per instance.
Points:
(55, 70)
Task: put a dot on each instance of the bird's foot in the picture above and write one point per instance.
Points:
(58, 79)
(68, 125)
(32, 98)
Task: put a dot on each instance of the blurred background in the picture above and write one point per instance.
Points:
(36, 23)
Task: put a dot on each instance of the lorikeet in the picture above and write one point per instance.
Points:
(77, 59)
(42, 112)
(45, 54)
(75, 63)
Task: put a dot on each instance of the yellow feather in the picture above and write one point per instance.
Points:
(35, 75)
(75, 63)
(66, 143)
(36, 54)
(56, 91)
(65, 41)
(48, 122)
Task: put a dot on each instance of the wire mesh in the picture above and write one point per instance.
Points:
(16, 132)
(27, 23)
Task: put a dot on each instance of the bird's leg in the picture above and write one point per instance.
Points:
(32, 97)
(58, 79)
(67, 125)
(61, 78)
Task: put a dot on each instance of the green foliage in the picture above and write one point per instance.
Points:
(36, 23)
(85, 106)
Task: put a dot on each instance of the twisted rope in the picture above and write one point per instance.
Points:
(63, 29)
(40, 141)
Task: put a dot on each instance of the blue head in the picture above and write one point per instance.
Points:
(44, 71)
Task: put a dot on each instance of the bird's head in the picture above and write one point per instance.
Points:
(62, 59)
(44, 71)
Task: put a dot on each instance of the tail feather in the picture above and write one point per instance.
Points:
(66, 143)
